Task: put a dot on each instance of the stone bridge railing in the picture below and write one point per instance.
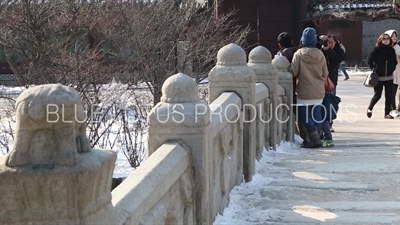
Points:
(197, 152)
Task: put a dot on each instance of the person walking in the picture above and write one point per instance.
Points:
(310, 69)
(342, 64)
(396, 74)
(383, 61)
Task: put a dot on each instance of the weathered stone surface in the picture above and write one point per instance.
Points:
(179, 88)
(160, 191)
(183, 117)
(50, 127)
(285, 79)
(62, 195)
(232, 74)
(263, 119)
(260, 61)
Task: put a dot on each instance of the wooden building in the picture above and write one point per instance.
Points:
(349, 32)
(268, 18)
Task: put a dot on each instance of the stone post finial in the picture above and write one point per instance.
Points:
(281, 63)
(260, 62)
(179, 88)
(260, 54)
(50, 127)
(182, 117)
(231, 55)
(231, 74)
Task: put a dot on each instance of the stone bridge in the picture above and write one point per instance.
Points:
(197, 152)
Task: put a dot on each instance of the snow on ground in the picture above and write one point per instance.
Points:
(11, 90)
(241, 196)
(122, 166)
(235, 213)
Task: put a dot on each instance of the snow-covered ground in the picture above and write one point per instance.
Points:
(234, 213)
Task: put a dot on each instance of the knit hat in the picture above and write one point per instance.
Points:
(285, 40)
(309, 37)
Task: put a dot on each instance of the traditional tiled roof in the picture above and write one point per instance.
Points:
(356, 6)
(368, 10)
(325, 5)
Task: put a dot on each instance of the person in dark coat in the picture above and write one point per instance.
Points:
(334, 56)
(287, 49)
(383, 61)
(286, 46)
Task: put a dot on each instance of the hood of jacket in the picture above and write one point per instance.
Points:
(390, 33)
(308, 55)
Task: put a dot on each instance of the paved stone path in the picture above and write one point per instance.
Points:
(355, 182)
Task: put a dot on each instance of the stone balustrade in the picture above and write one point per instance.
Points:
(249, 111)
(197, 152)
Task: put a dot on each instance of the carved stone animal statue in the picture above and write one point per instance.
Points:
(50, 127)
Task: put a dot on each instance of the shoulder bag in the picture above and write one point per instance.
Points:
(372, 79)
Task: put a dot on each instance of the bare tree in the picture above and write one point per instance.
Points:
(86, 44)
(7, 121)
(371, 10)
(175, 36)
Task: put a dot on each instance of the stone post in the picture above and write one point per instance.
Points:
(181, 116)
(52, 176)
(232, 74)
(286, 81)
(260, 62)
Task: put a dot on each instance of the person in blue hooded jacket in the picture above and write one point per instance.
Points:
(310, 69)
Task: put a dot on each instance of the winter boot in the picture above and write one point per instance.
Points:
(315, 141)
